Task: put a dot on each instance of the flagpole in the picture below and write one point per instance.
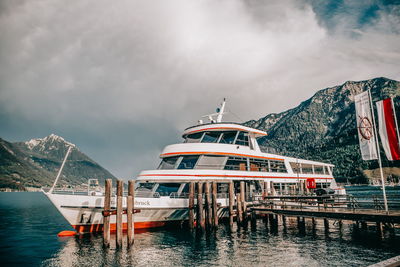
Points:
(378, 151)
(395, 120)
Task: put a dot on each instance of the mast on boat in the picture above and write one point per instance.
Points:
(219, 114)
(60, 170)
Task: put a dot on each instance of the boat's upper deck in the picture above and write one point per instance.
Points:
(223, 126)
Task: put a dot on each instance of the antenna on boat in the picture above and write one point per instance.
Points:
(60, 170)
(220, 112)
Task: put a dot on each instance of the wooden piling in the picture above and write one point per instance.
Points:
(364, 225)
(120, 190)
(253, 219)
(214, 204)
(191, 205)
(200, 217)
(239, 214)
(379, 228)
(208, 204)
(326, 224)
(231, 203)
(130, 200)
(107, 207)
(243, 201)
(265, 189)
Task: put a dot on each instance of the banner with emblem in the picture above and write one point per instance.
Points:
(365, 127)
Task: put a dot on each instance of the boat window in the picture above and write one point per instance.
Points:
(242, 139)
(193, 138)
(307, 168)
(165, 189)
(188, 162)
(318, 169)
(210, 137)
(145, 187)
(295, 167)
(277, 166)
(228, 137)
(168, 163)
(211, 162)
(259, 165)
(236, 163)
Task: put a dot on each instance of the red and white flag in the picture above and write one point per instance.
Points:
(387, 129)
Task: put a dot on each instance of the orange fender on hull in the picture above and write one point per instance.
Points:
(67, 233)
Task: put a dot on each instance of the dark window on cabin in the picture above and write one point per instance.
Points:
(277, 166)
(259, 165)
(242, 139)
(193, 138)
(318, 169)
(228, 137)
(145, 187)
(236, 164)
(307, 168)
(210, 137)
(168, 163)
(165, 189)
(188, 162)
(211, 162)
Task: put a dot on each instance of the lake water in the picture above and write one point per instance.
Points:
(29, 226)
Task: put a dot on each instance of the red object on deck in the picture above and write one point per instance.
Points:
(311, 184)
(67, 233)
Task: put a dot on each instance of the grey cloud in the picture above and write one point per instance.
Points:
(122, 79)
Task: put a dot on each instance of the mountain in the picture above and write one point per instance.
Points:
(35, 163)
(323, 128)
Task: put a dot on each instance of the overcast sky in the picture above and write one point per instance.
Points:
(122, 79)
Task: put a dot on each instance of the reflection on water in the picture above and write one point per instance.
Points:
(31, 224)
(307, 247)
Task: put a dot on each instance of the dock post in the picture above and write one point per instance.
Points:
(130, 207)
(191, 205)
(200, 217)
(243, 202)
(120, 189)
(231, 203)
(326, 224)
(214, 204)
(208, 204)
(314, 223)
(107, 207)
(239, 215)
(265, 189)
(253, 219)
(364, 225)
(379, 228)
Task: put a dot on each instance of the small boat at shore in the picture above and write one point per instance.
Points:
(215, 151)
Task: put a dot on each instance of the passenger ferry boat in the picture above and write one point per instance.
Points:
(214, 151)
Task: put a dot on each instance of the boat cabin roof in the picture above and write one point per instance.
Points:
(226, 126)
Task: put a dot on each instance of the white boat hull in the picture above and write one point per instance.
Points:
(84, 213)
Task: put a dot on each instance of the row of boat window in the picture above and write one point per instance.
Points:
(309, 168)
(223, 137)
(178, 189)
(212, 162)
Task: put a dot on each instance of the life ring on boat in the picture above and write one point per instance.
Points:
(311, 184)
